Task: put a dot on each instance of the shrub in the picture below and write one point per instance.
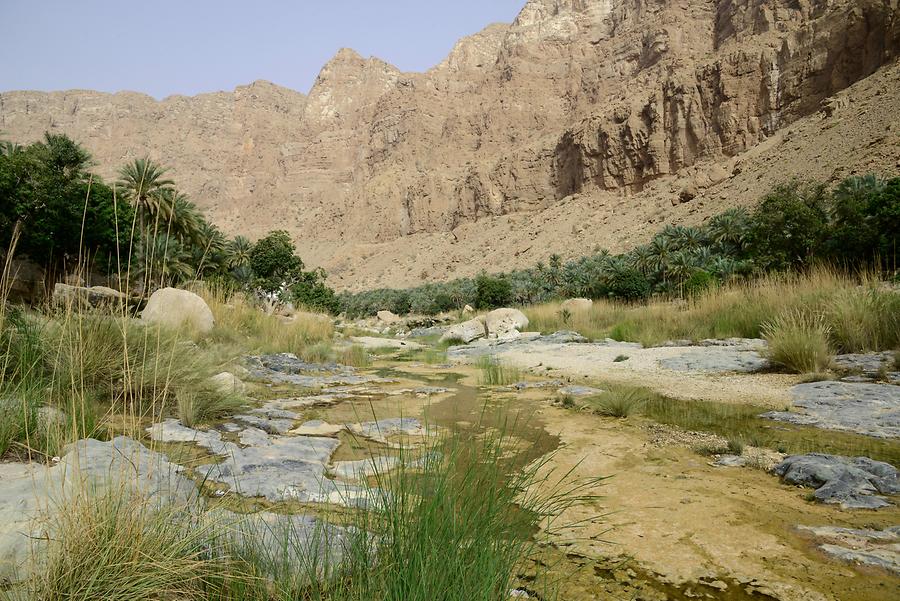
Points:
(864, 319)
(799, 341)
(492, 292)
(628, 284)
(273, 261)
(699, 281)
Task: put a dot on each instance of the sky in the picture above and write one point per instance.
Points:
(163, 47)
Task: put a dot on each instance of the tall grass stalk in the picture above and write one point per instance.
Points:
(799, 341)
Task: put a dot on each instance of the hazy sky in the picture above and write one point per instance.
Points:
(164, 47)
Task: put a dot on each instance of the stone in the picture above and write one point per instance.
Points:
(173, 308)
(389, 318)
(868, 364)
(505, 323)
(383, 429)
(466, 331)
(854, 483)
(468, 309)
(266, 424)
(372, 342)
(870, 409)
(228, 383)
(577, 305)
(576, 390)
(80, 297)
(121, 464)
(717, 359)
(318, 427)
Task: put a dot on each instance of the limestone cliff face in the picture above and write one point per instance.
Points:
(575, 97)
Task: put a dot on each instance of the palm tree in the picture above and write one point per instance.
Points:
(182, 216)
(161, 260)
(662, 250)
(144, 184)
(729, 228)
(681, 265)
(239, 252)
(642, 258)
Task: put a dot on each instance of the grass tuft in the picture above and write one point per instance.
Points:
(799, 341)
(619, 400)
(496, 373)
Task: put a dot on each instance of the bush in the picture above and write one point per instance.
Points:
(629, 285)
(700, 281)
(799, 342)
(619, 400)
(492, 292)
(273, 261)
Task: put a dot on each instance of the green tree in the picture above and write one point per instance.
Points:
(274, 262)
(492, 292)
(789, 226)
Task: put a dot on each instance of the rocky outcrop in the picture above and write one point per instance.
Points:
(851, 483)
(574, 99)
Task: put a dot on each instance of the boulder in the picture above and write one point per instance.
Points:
(854, 483)
(227, 383)
(388, 317)
(468, 309)
(66, 295)
(505, 323)
(575, 305)
(174, 308)
(466, 331)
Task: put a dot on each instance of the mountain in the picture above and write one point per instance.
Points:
(583, 123)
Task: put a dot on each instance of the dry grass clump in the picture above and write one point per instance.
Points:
(354, 356)
(860, 314)
(240, 322)
(799, 341)
(620, 400)
(117, 547)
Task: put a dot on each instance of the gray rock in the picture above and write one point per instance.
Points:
(579, 390)
(852, 483)
(279, 469)
(879, 548)
(287, 368)
(272, 426)
(870, 409)
(121, 464)
(171, 430)
(718, 359)
(382, 429)
(540, 384)
(865, 363)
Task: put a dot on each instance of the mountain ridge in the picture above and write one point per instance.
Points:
(575, 98)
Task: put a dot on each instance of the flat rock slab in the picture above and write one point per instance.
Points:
(278, 468)
(374, 342)
(383, 429)
(289, 542)
(318, 427)
(718, 359)
(865, 363)
(122, 463)
(870, 409)
(879, 548)
(576, 390)
(854, 483)
(270, 425)
(287, 368)
(171, 430)
(534, 342)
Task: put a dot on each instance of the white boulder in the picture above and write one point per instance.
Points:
(505, 323)
(466, 331)
(388, 317)
(174, 308)
(227, 383)
(577, 305)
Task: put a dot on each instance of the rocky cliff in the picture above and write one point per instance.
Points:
(616, 106)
